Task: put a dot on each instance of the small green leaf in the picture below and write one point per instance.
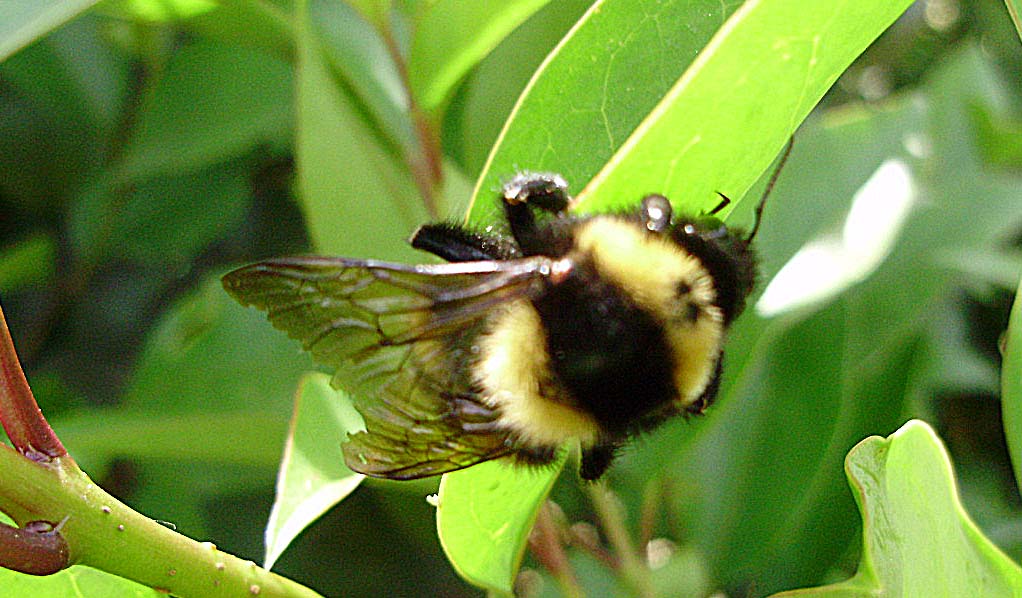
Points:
(25, 21)
(917, 538)
(313, 477)
(438, 60)
(484, 517)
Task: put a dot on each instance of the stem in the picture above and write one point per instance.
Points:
(633, 569)
(426, 166)
(19, 413)
(545, 544)
(36, 549)
(104, 533)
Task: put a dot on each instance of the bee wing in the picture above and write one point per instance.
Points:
(397, 337)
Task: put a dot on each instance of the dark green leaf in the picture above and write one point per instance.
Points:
(438, 60)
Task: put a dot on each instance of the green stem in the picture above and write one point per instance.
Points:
(106, 534)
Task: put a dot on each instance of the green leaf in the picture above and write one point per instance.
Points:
(1011, 386)
(484, 516)
(30, 261)
(213, 102)
(355, 195)
(438, 61)
(313, 477)
(359, 55)
(75, 582)
(596, 87)
(724, 121)
(479, 110)
(25, 21)
(1015, 10)
(917, 538)
(132, 223)
(158, 10)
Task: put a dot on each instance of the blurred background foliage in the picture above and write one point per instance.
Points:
(150, 146)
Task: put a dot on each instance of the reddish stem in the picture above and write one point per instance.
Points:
(19, 414)
(36, 549)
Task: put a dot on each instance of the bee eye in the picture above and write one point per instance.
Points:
(656, 211)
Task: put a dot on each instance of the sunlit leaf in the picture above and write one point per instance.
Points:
(917, 538)
(484, 517)
(313, 476)
(76, 582)
(158, 10)
(24, 21)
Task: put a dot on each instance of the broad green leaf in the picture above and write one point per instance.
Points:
(438, 60)
(723, 122)
(356, 197)
(76, 582)
(31, 260)
(595, 88)
(266, 25)
(482, 104)
(213, 102)
(484, 517)
(1011, 386)
(25, 21)
(917, 538)
(313, 477)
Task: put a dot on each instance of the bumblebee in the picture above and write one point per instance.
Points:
(585, 327)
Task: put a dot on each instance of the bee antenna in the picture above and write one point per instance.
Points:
(724, 201)
(769, 187)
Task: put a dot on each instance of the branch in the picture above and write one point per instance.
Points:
(19, 414)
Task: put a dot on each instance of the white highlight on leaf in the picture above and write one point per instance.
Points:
(833, 262)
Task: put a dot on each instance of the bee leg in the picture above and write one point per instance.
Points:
(457, 244)
(528, 190)
(596, 460)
